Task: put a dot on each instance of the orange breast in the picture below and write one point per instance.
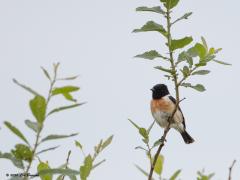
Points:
(162, 104)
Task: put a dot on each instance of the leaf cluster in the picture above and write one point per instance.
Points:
(158, 168)
(191, 59)
(88, 165)
(23, 154)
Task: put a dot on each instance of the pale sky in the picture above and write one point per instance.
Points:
(94, 39)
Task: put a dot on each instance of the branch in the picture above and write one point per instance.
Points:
(163, 139)
(175, 79)
(52, 83)
(67, 162)
(184, 78)
(230, 170)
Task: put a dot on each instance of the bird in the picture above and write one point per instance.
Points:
(162, 107)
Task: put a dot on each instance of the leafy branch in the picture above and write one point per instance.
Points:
(179, 70)
(24, 154)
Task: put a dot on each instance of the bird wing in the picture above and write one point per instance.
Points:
(174, 101)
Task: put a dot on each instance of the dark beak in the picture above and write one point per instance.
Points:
(152, 89)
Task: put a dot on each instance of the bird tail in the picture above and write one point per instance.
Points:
(186, 137)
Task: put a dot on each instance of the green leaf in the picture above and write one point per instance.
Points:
(211, 51)
(134, 124)
(64, 108)
(38, 108)
(98, 148)
(164, 69)
(185, 16)
(201, 72)
(151, 55)
(22, 152)
(169, 4)
(198, 87)
(201, 63)
(44, 166)
(98, 164)
(159, 165)
(156, 9)
(16, 131)
(180, 43)
(202, 176)
(86, 168)
(209, 58)
(143, 133)
(141, 148)
(107, 142)
(221, 62)
(46, 73)
(185, 71)
(78, 144)
(65, 91)
(201, 51)
(69, 97)
(48, 149)
(157, 143)
(56, 136)
(192, 52)
(204, 43)
(175, 175)
(32, 125)
(152, 26)
(67, 172)
(26, 88)
(184, 56)
(16, 162)
(68, 78)
(150, 127)
(141, 170)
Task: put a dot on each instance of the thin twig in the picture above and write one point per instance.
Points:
(67, 162)
(185, 77)
(230, 170)
(163, 138)
(182, 100)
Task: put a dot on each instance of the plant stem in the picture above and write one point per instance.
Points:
(52, 83)
(175, 79)
(230, 170)
(33, 154)
(150, 154)
(67, 161)
(163, 138)
(184, 78)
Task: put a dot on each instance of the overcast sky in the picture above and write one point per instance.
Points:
(94, 39)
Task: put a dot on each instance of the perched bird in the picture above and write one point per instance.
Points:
(162, 107)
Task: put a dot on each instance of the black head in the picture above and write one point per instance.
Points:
(159, 90)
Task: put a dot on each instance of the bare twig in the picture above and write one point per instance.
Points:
(67, 162)
(182, 100)
(163, 138)
(230, 170)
